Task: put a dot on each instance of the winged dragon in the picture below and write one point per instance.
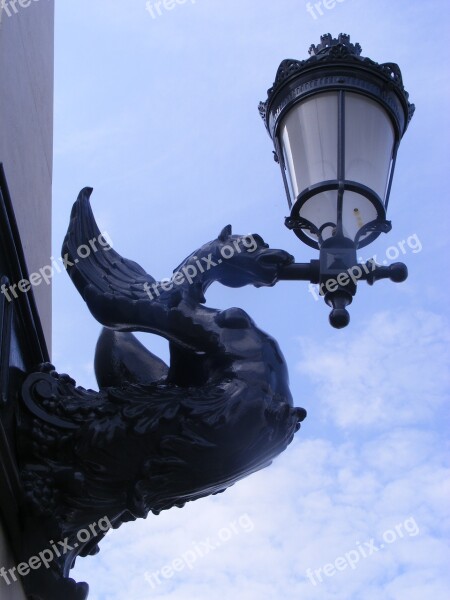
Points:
(154, 436)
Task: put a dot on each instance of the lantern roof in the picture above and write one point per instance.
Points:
(335, 52)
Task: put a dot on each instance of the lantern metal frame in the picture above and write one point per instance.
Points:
(336, 65)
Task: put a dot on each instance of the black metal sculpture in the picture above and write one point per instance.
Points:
(154, 436)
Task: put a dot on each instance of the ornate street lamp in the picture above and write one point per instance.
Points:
(336, 121)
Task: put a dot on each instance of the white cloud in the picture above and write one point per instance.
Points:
(316, 503)
(394, 372)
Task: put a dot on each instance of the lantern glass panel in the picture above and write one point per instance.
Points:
(309, 138)
(357, 211)
(369, 143)
(321, 209)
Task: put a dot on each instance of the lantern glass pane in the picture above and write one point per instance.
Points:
(357, 211)
(369, 143)
(321, 209)
(309, 138)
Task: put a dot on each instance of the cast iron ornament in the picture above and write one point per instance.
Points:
(154, 436)
(338, 54)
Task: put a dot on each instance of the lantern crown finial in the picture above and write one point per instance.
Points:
(327, 43)
(342, 58)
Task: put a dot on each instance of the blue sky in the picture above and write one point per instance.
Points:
(159, 115)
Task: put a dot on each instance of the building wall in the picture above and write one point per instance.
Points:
(14, 590)
(26, 140)
(26, 129)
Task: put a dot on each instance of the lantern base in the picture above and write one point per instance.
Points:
(339, 317)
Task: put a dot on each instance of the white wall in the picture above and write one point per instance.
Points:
(26, 129)
(26, 140)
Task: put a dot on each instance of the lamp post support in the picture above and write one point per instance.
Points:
(340, 295)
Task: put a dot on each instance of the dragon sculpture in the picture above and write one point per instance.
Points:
(154, 436)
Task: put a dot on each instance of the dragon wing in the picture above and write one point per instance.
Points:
(112, 286)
